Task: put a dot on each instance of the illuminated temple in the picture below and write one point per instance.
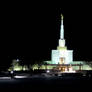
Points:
(62, 55)
(61, 58)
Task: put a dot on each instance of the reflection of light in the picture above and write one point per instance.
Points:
(20, 76)
(70, 71)
(5, 77)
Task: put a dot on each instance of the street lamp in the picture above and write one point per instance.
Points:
(17, 60)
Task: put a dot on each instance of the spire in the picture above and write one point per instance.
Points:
(62, 19)
(62, 28)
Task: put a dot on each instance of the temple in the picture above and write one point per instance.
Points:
(62, 55)
(61, 58)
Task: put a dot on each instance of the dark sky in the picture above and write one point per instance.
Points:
(32, 32)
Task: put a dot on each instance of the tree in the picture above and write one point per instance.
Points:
(5, 63)
(28, 62)
(89, 63)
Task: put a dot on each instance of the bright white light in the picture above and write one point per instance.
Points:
(20, 76)
(5, 77)
(48, 71)
(70, 70)
(12, 72)
(17, 60)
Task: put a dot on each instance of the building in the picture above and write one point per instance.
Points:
(62, 55)
(62, 58)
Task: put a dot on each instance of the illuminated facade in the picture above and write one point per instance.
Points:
(62, 58)
(62, 55)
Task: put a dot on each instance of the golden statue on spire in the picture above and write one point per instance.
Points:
(62, 17)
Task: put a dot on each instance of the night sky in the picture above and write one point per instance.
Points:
(32, 32)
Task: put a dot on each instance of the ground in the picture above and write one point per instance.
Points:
(40, 82)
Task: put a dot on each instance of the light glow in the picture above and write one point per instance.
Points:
(48, 71)
(17, 60)
(5, 77)
(20, 76)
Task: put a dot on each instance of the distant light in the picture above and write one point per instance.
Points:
(12, 72)
(48, 71)
(17, 60)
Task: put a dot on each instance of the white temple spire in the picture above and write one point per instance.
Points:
(62, 55)
(62, 28)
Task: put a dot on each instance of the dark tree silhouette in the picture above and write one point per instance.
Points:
(5, 63)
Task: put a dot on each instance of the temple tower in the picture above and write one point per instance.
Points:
(61, 55)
